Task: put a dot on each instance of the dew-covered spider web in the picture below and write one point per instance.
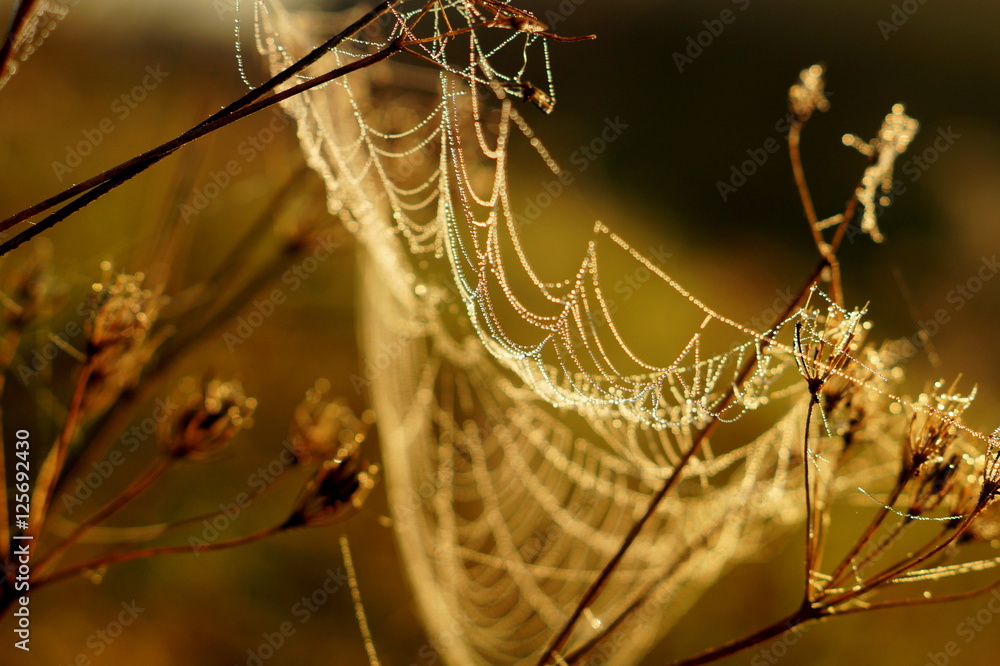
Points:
(522, 434)
(40, 22)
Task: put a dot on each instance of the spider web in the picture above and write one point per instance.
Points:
(40, 23)
(522, 435)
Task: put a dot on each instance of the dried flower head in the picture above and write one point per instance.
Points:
(119, 341)
(823, 344)
(933, 429)
(321, 428)
(808, 94)
(208, 419)
(531, 93)
(991, 470)
(336, 492)
(896, 134)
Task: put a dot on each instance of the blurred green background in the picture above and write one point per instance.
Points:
(656, 183)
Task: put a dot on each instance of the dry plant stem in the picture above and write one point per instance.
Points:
(811, 545)
(825, 250)
(804, 615)
(910, 562)
(226, 112)
(21, 12)
(115, 421)
(133, 490)
(53, 463)
(121, 558)
(559, 642)
(583, 651)
(117, 175)
(847, 563)
(594, 590)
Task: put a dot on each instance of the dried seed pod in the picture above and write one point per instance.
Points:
(208, 419)
(808, 94)
(336, 492)
(119, 341)
(322, 428)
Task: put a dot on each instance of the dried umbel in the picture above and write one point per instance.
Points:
(118, 334)
(207, 421)
(808, 94)
(321, 428)
(336, 492)
(896, 134)
(932, 431)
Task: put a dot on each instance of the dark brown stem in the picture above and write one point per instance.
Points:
(121, 558)
(866, 536)
(227, 112)
(117, 175)
(810, 519)
(903, 566)
(825, 250)
(131, 492)
(800, 617)
(559, 642)
(53, 463)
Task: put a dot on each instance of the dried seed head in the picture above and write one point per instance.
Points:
(933, 429)
(513, 18)
(808, 94)
(823, 345)
(533, 94)
(210, 416)
(119, 342)
(935, 485)
(123, 312)
(896, 134)
(336, 492)
(321, 428)
(991, 470)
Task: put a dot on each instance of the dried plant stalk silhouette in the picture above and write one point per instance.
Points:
(557, 497)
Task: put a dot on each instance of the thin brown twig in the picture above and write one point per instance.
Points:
(595, 588)
(53, 463)
(241, 103)
(121, 558)
(134, 489)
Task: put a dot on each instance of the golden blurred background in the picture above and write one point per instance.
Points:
(687, 116)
